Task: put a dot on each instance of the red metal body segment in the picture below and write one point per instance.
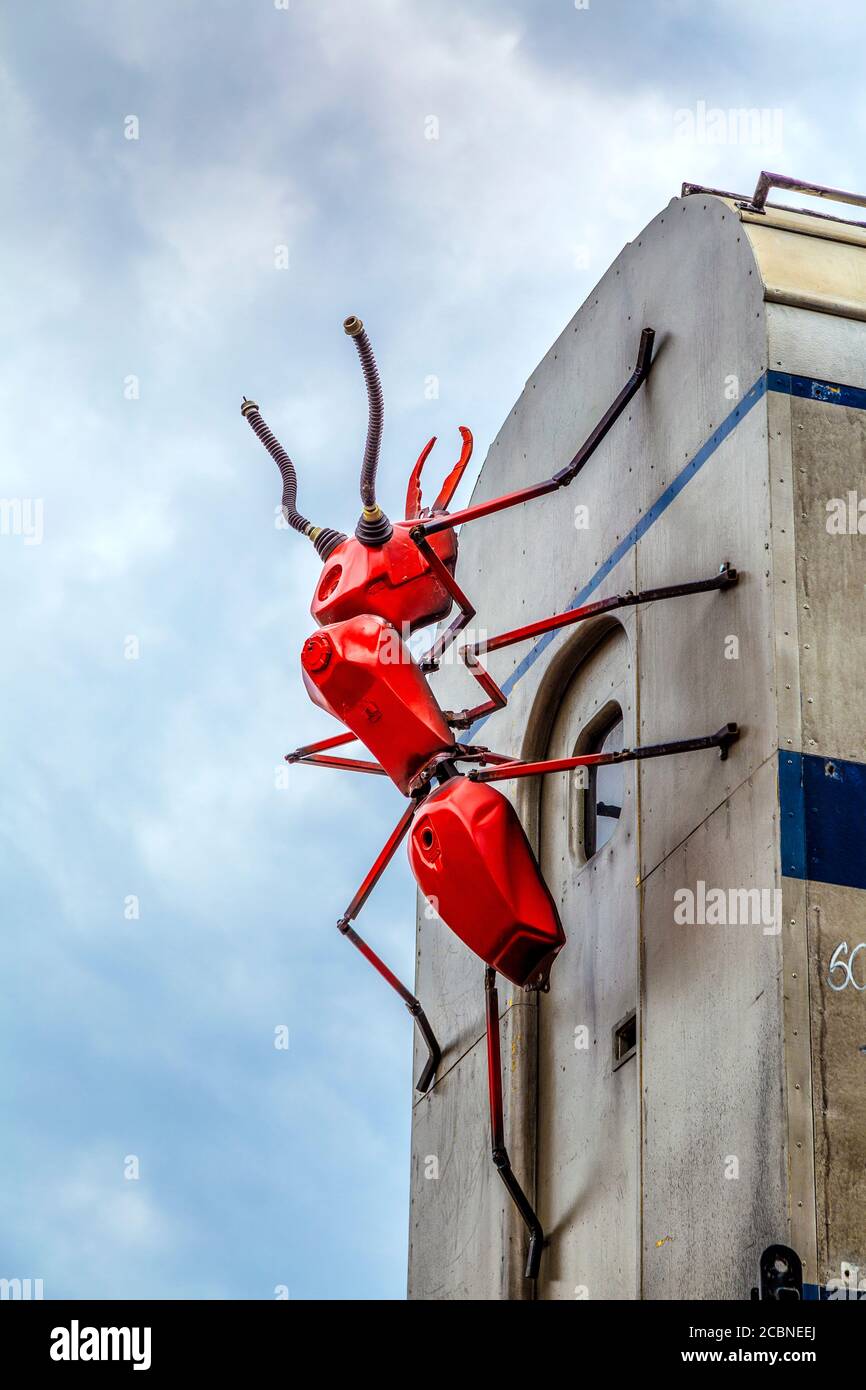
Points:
(470, 855)
(393, 581)
(361, 672)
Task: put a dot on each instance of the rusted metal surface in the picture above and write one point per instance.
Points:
(758, 200)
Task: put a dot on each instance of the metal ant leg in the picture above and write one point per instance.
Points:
(412, 1004)
(722, 739)
(497, 1128)
(477, 753)
(445, 522)
(430, 660)
(497, 699)
(726, 578)
(314, 754)
(567, 474)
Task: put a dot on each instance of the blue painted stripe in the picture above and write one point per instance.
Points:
(815, 1293)
(784, 383)
(814, 390)
(706, 451)
(792, 827)
(823, 815)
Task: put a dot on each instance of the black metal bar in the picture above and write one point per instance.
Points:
(569, 473)
(635, 381)
(465, 718)
(499, 1152)
(727, 735)
(725, 579)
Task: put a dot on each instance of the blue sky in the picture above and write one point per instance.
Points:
(561, 132)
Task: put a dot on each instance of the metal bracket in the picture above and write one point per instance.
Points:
(781, 1275)
(758, 201)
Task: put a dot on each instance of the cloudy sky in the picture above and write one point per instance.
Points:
(459, 175)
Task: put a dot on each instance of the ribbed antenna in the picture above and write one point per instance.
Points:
(373, 528)
(324, 539)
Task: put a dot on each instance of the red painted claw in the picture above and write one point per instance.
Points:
(451, 483)
(413, 495)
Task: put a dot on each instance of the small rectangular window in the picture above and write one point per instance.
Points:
(604, 788)
(625, 1039)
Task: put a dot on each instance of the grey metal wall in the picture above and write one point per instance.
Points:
(667, 1176)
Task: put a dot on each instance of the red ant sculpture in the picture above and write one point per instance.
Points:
(467, 848)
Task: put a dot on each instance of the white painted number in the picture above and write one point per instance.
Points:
(846, 967)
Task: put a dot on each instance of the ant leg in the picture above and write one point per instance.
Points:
(723, 739)
(344, 925)
(315, 754)
(497, 1128)
(569, 473)
(477, 753)
(726, 578)
(497, 699)
(430, 660)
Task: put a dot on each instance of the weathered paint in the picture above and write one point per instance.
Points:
(746, 1052)
(828, 454)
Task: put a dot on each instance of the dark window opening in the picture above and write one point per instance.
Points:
(604, 790)
(625, 1039)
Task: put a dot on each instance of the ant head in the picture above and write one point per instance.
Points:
(381, 557)
(393, 579)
